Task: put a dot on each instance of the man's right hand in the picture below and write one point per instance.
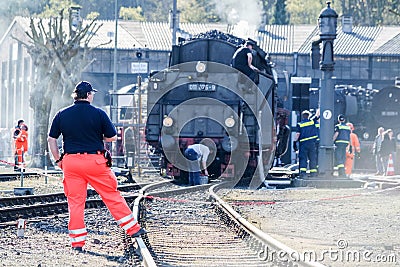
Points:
(295, 148)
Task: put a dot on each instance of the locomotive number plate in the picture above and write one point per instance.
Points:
(200, 87)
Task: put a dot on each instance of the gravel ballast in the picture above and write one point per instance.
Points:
(342, 223)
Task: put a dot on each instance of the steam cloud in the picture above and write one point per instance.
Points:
(245, 15)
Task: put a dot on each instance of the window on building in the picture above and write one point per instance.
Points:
(385, 68)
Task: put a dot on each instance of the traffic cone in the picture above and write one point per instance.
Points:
(390, 167)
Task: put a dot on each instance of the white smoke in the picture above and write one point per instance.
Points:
(245, 15)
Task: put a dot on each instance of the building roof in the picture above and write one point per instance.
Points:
(275, 39)
(390, 48)
(361, 41)
(284, 39)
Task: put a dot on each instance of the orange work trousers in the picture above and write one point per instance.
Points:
(348, 165)
(81, 170)
(20, 155)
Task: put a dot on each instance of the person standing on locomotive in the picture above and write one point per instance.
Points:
(84, 129)
(341, 138)
(197, 153)
(352, 150)
(376, 150)
(307, 136)
(242, 61)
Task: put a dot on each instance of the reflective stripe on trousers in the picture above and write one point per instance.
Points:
(77, 237)
(307, 151)
(81, 169)
(340, 154)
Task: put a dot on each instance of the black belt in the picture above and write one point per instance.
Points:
(93, 152)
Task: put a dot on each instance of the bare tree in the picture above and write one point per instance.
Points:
(59, 59)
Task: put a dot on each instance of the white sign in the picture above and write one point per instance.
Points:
(139, 67)
(327, 114)
(300, 80)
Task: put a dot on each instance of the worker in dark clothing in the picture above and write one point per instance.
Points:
(242, 61)
(388, 148)
(84, 129)
(341, 138)
(307, 136)
(376, 150)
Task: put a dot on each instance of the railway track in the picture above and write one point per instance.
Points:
(192, 226)
(51, 204)
(5, 177)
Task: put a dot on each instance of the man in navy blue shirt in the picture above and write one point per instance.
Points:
(84, 129)
(307, 135)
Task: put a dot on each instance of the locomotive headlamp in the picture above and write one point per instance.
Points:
(229, 122)
(168, 121)
(366, 135)
(200, 67)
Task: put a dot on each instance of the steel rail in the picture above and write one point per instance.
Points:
(254, 231)
(147, 258)
(43, 198)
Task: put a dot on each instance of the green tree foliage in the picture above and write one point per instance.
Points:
(280, 15)
(53, 8)
(304, 11)
(92, 15)
(197, 11)
(10, 9)
(130, 13)
(268, 11)
(372, 12)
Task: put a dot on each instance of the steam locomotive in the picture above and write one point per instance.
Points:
(200, 98)
(368, 109)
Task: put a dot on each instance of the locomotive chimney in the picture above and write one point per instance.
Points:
(347, 24)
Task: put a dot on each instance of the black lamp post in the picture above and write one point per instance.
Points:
(327, 23)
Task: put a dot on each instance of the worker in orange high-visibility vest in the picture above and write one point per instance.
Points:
(21, 144)
(84, 128)
(352, 150)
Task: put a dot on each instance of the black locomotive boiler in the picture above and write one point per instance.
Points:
(200, 98)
